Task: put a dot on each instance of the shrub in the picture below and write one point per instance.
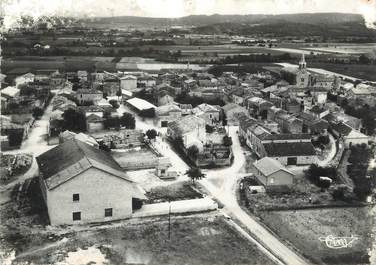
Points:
(151, 134)
(227, 140)
(209, 129)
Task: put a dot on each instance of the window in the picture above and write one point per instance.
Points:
(76, 197)
(76, 216)
(108, 212)
(211, 116)
(271, 180)
(163, 171)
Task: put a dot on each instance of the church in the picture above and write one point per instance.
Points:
(302, 75)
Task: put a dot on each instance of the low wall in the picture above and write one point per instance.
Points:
(176, 207)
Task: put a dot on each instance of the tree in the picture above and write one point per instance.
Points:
(227, 140)
(37, 112)
(314, 172)
(114, 103)
(112, 122)
(209, 129)
(151, 134)
(15, 137)
(74, 120)
(128, 120)
(194, 174)
(193, 151)
(118, 94)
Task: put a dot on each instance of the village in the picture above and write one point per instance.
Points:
(185, 147)
(99, 147)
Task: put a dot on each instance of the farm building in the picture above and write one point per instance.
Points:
(82, 184)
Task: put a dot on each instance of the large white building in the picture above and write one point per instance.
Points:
(82, 184)
(128, 82)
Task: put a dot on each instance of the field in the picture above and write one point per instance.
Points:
(198, 239)
(361, 71)
(303, 229)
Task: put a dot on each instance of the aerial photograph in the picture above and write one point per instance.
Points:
(188, 132)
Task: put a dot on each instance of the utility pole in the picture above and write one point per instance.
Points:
(169, 219)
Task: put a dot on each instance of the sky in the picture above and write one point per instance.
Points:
(12, 10)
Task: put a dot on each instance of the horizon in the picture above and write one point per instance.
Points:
(13, 10)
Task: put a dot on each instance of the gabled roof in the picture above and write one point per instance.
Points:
(10, 91)
(268, 166)
(167, 109)
(288, 136)
(186, 124)
(289, 149)
(73, 157)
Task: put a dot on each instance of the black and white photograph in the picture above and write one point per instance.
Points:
(188, 132)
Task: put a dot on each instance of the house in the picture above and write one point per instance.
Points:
(349, 135)
(288, 123)
(83, 184)
(10, 92)
(140, 104)
(290, 153)
(24, 79)
(126, 138)
(319, 112)
(166, 114)
(164, 98)
(190, 129)
(186, 109)
(232, 112)
(94, 123)
(128, 82)
(319, 94)
(258, 106)
(68, 135)
(272, 174)
(311, 124)
(111, 87)
(146, 81)
(211, 114)
(89, 95)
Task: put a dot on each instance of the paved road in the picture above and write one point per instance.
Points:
(35, 144)
(222, 184)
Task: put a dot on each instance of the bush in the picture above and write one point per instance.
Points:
(151, 134)
(15, 137)
(128, 121)
(112, 123)
(37, 112)
(314, 173)
(193, 151)
(227, 140)
(209, 129)
(74, 121)
(114, 103)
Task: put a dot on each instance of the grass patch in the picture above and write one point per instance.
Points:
(204, 239)
(174, 192)
(304, 227)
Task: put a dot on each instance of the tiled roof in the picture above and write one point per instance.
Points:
(268, 166)
(71, 158)
(186, 124)
(289, 149)
(287, 136)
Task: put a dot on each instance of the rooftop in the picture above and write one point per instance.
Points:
(289, 149)
(140, 104)
(268, 166)
(71, 158)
